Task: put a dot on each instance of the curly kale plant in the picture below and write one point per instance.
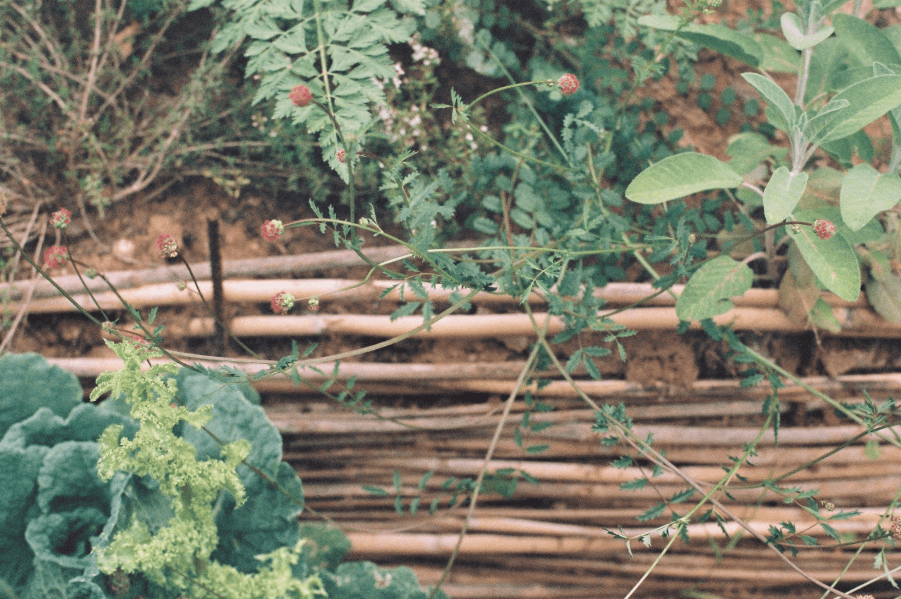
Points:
(52, 503)
(162, 506)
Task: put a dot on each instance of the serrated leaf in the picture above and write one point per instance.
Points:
(782, 193)
(832, 260)
(709, 291)
(367, 5)
(405, 310)
(634, 485)
(682, 496)
(830, 531)
(865, 193)
(873, 450)
(591, 368)
(681, 175)
(622, 462)
(573, 361)
(654, 512)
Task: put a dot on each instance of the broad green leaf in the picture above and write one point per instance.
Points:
(870, 232)
(886, 3)
(778, 55)
(681, 175)
(714, 36)
(749, 149)
(782, 194)
(822, 316)
(893, 33)
(848, 77)
(828, 59)
(709, 291)
(865, 193)
(865, 42)
(798, 293)
(793, 30)
(832, 260)
(867, 101)
(826, 116)
(59, 390)
(830, 6)
(884, 294)
(775, 96)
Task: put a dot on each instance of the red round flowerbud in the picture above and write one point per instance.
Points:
(282, 302)
(167, 246)
(61, 218)
(568, 84)
(313, 304)
(824, 228)
(301, 95)
(272, 229)
(342, 155)
(56, 256)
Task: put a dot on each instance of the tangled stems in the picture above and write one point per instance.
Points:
(646, 450)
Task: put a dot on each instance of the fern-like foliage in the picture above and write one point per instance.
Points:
(624, 15)
(337, 48)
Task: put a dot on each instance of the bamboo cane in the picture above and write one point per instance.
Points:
(168, 293)
(855, 322)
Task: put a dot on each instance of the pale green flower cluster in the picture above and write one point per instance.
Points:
(178, 554)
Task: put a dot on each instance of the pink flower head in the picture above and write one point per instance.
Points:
(342, 155)
(824, 228)
(313, 304)
(896, 527)
(139, 339)
(272, 229)
(282, 302)
(568, 84)
(167, 246)
(61, 218)
(301, 95)
(56, 256)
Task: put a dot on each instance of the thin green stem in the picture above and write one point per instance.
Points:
(815, 392)
(528, 103)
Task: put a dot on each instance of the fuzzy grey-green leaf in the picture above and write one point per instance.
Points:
(833, 261)
(865, 193)
(681, 175)
(710, 289)
(782, 193)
